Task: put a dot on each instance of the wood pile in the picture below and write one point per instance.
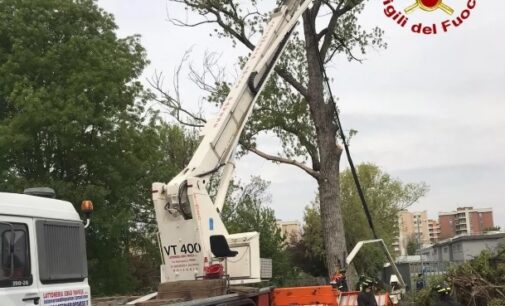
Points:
(186, 290)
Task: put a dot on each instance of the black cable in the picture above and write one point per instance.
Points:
(250, 83)
(211, 171)
(342, 134)
(183, 187)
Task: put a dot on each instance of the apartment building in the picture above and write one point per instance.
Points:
(433, 230)
(465, 221)
(291, 230)
(412, 226)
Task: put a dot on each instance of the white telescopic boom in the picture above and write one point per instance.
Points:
(185, 214)
(222, 134)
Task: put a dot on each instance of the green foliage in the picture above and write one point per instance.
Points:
(71, 118)
(385, 196)
(282, 108)
(412, 245)
(426, 296)
(309, 253)
(245, 211)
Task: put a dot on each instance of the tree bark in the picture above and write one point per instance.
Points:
(330, 152)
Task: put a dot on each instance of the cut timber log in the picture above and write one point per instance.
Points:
(186, 290)
(243, 290)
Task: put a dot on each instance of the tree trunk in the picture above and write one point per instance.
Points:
(329, 152)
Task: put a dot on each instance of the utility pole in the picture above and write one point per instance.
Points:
(419, 241)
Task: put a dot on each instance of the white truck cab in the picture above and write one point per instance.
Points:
(42, 252)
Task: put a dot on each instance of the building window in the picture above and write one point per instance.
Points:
(446, 249)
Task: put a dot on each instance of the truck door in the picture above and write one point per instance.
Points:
(17, 262)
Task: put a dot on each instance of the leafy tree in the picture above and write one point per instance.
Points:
(71, 118)
(412, 246)
(294, 105)
(245, 211)
(386, 197)
(309, 253)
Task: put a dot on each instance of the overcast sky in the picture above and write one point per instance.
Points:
(428, 108)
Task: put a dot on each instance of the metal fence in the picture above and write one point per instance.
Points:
(410, 271)
(429, 267)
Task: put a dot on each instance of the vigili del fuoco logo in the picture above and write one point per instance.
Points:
(409, 14)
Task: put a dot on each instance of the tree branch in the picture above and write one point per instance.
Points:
(292, 129)
(240, 36)
(290, 79)
(345, 46)
(179, 23)
(282, 160)
(173, 103)
(341, 10)
(321, 34)
(315, 8)
(311, 149)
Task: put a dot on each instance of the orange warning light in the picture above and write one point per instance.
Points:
(87, 206)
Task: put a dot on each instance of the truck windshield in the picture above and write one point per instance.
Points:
(14, 255)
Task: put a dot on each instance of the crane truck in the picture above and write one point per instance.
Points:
(186, 215)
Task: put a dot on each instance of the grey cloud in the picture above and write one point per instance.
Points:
(427, 108)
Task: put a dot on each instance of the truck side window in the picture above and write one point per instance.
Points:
(14, 262)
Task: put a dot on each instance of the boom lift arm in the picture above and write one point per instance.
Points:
(185, 213)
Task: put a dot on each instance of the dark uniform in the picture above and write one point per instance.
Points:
(342, 285)
(444, 297)
(366, 297)
(420, 284)
(339, 281)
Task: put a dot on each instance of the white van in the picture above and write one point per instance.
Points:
(42, 252)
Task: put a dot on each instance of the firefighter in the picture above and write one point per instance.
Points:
(366, 297)
(420, 282)
(444, 296)
(339, 281)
